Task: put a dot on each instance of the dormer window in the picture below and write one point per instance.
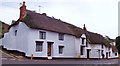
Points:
(15, 32)
(83, 40)
(115, 54)
(61, 36)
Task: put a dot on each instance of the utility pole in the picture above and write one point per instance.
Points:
(20, 4)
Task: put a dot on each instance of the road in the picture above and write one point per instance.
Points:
(10, 59)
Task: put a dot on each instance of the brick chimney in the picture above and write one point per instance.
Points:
(84, 28)
(22, 11)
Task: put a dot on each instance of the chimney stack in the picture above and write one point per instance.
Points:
(22, 11)
(84, 28)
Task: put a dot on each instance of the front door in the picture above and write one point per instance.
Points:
(106, 55)
(88, 53)
(49, 48)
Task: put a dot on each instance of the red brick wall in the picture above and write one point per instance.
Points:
(22, 11)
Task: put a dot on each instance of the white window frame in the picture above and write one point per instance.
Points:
(61, 36)
(83, 40)
(39, 46)
(42, 35)
(61, 49)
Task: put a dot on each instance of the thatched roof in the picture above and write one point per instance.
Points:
(42, 21)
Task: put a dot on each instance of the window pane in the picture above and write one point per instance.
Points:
(42, 35)
(102, 45)
(15, 32)
(115, 54)
(81, 50)
(61, 36)
(61, 49)
(39, 46)
(83, 40)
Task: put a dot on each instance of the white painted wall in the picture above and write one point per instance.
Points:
(94, 53)
(68, 43)
(26, 37)
(77, 47)
(18, 42)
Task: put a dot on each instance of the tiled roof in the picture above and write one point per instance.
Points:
(42, 21)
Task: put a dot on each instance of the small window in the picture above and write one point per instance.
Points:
(83, 39)
(101, 52)
(109, 54)
(115, 54)
(39, 46)
(61, 36)
(61, 49)
(86, 44)
(42, 35)
(15, 32)
(82, 50)
(102, 46)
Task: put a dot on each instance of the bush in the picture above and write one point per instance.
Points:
(118, 43)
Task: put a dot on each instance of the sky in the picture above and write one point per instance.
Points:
(99, 16)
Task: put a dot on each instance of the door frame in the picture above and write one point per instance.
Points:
(50, 44)
(88, 53)
(106, 55)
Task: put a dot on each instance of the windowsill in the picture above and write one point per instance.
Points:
(61, 40)
(38, 52)
(40, 39)
(88, 48)
(83, 45)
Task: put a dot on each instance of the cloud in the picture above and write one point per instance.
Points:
(99, 15)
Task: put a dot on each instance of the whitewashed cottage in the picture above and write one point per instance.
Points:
(46, 37)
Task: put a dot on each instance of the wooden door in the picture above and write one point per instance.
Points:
(49, 50)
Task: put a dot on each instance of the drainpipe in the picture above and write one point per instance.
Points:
(99, 53)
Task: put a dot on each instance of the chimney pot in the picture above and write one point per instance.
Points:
(23, 2)
(84, 28)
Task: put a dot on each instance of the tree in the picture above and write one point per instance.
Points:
(118, 43)
(3, 29)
